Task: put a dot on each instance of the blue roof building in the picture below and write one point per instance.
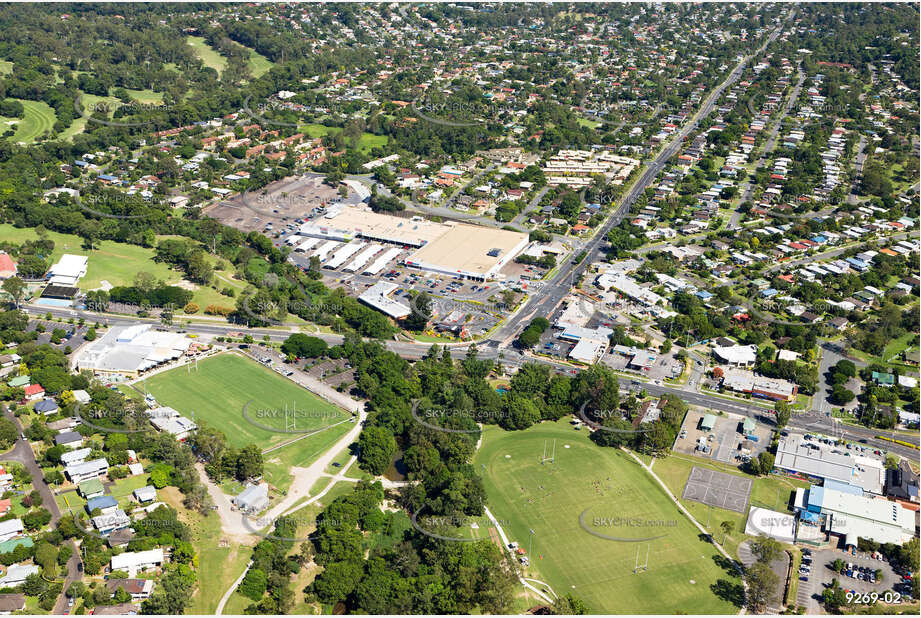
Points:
(101, 502)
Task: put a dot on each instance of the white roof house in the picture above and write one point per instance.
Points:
(87, 470)
(169, 420)
(736, 355)
(17, 574)
(134, 561)
(145, 494)
(76, 457)
(11, 528)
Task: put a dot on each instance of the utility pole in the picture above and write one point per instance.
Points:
(530, 541)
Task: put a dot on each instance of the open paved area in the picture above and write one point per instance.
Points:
(718, 489)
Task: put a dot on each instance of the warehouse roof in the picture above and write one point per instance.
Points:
(377, 296)
(470, 249)
(816, 459)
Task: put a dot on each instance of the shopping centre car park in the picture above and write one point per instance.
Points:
(461, 266)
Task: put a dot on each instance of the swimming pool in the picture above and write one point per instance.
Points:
(54, 302)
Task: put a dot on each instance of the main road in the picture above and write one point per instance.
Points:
(553, 292)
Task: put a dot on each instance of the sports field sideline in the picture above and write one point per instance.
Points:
(217, 391)
(615, 499)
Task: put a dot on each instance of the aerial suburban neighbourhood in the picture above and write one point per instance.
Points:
(460, 308)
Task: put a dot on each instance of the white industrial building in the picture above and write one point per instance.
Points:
(455, 249)
(343, 254)
(377, 296)
(363, 258)
(381, 261)
(130, 350)
(253, 499)
(854, 516)
(68, 270)
(816, 459)
(630, 288)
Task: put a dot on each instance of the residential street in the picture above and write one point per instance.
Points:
(22, 453)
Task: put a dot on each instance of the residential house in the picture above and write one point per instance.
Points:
(135, 561)
(10, 529)
(34, 392)
(68, 438)
(87, 470)
(91, 488)
(139, 589)
(46, 407)
(10, 603)
(16, 575)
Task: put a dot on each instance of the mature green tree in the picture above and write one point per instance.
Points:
(376, 447)
(766, 549)
(336, 582)
(253, 585)
(304, 346)
(16, 288)
(834, 597)
(8, 434)
(727, 527)
(569, 605)
(421, 312)
(782, 414)
(249, 462)
(761, 583)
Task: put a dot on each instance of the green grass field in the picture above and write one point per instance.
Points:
(38, 118)
(220, 560)
(223, 385)
(118, 263)
(146, 96)
(259, 65)
(6, 67)
(897, 346)
(685, 574)
(208, 55)
(365, 143)
(302, 453)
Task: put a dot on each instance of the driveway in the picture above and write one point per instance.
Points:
(780, 568)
